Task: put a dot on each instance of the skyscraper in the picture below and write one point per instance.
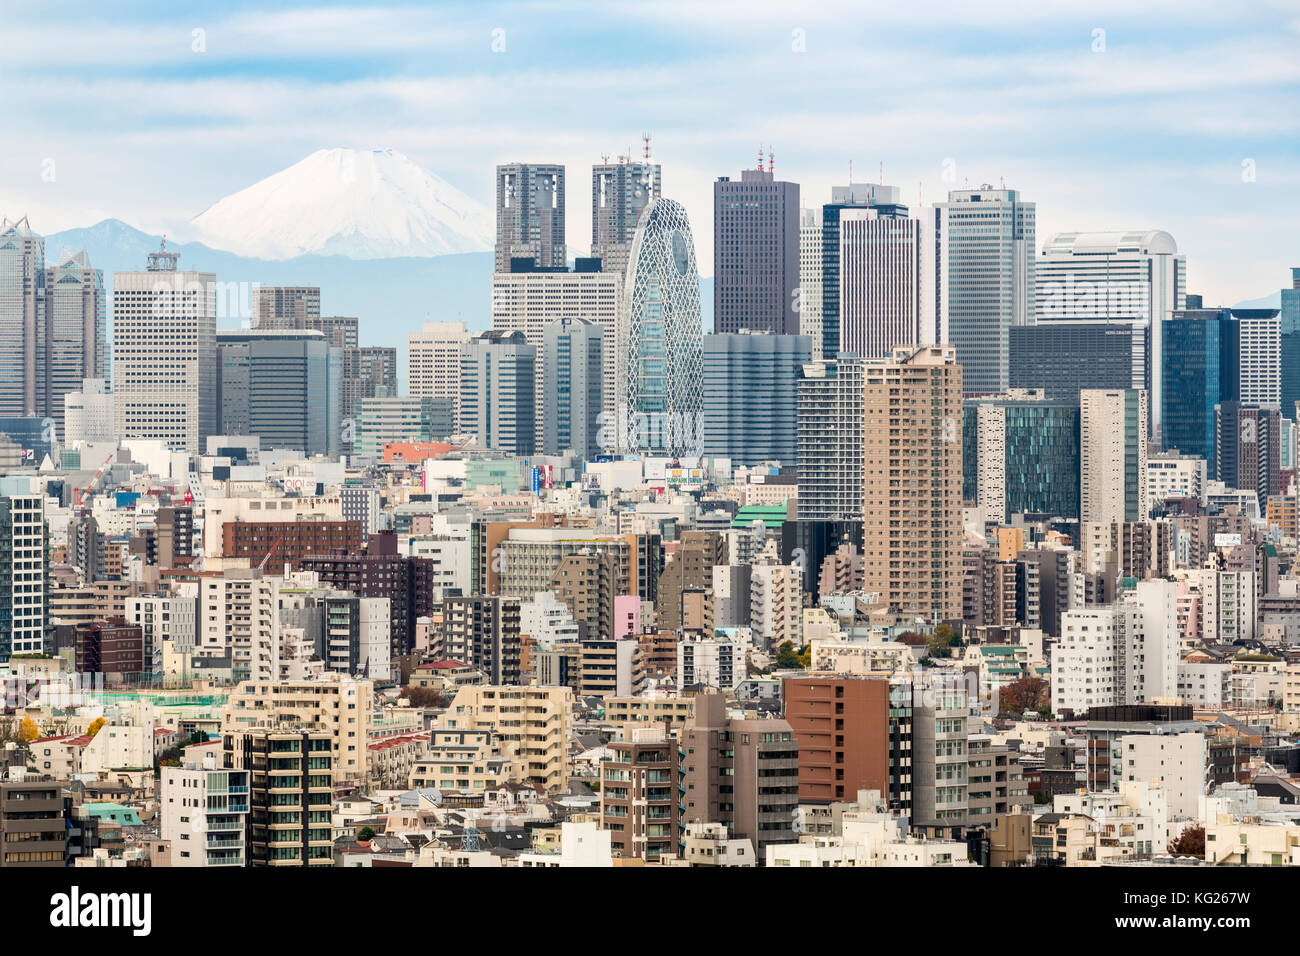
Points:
(889, 288)
(572, 383)
(988, 236)
(1064, 357)
(1247, 448)
(433, 361)
(1112, 277)
(912, 476)
(1260, 357)
(751, 386)
(829, 440)
(24, 569)
(1289, 315)
(1113, 430)
(70, 339)
(1201, 369)
(281, 306)
(284, 386)
(22, 301)
(658, 387)
(755, 253)
(619, 194)
(809, 300)
(497, 391)
(165, 353)
(886, 203)
(530, 215)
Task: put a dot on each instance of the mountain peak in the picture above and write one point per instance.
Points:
(360, 203)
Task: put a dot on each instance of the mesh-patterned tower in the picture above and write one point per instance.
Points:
(659, 373)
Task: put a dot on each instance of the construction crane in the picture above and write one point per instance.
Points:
(79, 494)
(278, 542)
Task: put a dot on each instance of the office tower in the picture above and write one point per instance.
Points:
(70, 338)
(530, 216)
(912, 506)
(1113, 455)
(88, 413)
(368, 373)
(1201, 369)
(24, 570)
(280, 306)
(1020, 454)
(751, 389)
(638, 794)
(658, 391)
(433, 362)
(1247, 450)
(529, 302)
(690, 569)
(291, 784)
(165, 353)
(203, 811)
(22, 305)
(886, 203)
(1061, 358)
(387, 418)
(809, 300)
(620, 192)
(571, 387)
(889, 283)
(284, 386)
(1289, 316)
(988, 235)
(850, 738)
(741, 772)
(755, 253)
(497, 391)
(1115, 277)
(829, 439)
(1260, 357)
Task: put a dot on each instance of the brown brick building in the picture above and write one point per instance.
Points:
(283, 543)
(111, 647)
(844, 729)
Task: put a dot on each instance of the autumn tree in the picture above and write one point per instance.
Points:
(96, 726)
(942, 639)
(1026, 693)
(1191, 842)
(28, 731)
(425, 696)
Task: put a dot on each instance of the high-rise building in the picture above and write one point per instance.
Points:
(388, 418)
(498, 391)
(755, 253)
(1113, 455)
(203, 811)
(1289, 314)
(890, 293)
(1260, 357)
(751, 388)
(1115, 277)
(291, 783)
(638, 794)
(988, 237)
(572, 387)
(1247, 448)
(809, 300)
(24, 569)
(165, 353)
(830, 449)
(912, 503)
(1021, 454)
(70, 339)
(658, 388)
(22, 304)
(620, 192)
(281, 306)
(433, 362)
(886, 203)
(1061, 358)
(1201, 370)
(529, 302)
(530, 215)
(284, 386)
(88, 413)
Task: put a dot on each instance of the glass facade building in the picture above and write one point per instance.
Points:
(751, 388)
(1201, 370)
(1021, 455)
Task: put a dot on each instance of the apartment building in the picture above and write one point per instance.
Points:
(291, 794)
(533, 723)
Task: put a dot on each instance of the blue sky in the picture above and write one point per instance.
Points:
(1144, 125)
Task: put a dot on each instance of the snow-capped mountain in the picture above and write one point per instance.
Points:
(363, 204)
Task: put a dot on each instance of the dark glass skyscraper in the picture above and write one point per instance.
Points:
(751, 391)
(755, 253)
(1064, 357)
(1290, 317)
(1200, 371)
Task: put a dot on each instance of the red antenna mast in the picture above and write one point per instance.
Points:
(760, 157)
(771, 161)
(646, 138)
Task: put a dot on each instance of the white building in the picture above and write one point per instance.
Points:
(717, 661)
(1171, 475)
(1113, 455)
(809, 302)
(889, 290)
(203, 810)
(1260, 361)
(1204, 684)
(1176, 763)
(239, 616)
(433, 362)
(22, 567)
(775, 604)
(88, 414)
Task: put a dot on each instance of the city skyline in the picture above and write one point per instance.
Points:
(1109, 120)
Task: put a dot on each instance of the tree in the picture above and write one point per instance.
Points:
(96, 726)
(1026, 693)
(787, 657)
(1191, 842)
(365, 834)
(942, 639)
(28, 731)
(425, 696)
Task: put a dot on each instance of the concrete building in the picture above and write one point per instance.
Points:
(530, 215)
(291, 794)
(204, 812)
(1113, 455)
(620, 192)
(755, 253)
(809, 299)
(534, 723)
(571, 387)
(433, 362)
(830, 440)
(638, 794)
(24, 569)
(498, 395)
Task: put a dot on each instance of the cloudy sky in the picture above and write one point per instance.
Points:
(1183, 115)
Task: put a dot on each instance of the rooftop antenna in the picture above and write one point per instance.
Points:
(760, 157)
(163, 260)
(604, 159)
(850, 172)
(771, 161)
(645, 137)
(882, 172)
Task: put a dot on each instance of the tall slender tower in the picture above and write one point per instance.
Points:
(70, 341)
(22, 300)
(530, 215)
(755, 253)
(619, 194)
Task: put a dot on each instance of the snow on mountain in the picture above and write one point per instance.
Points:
(363, 204)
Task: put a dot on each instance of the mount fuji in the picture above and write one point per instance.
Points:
(362, 204)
